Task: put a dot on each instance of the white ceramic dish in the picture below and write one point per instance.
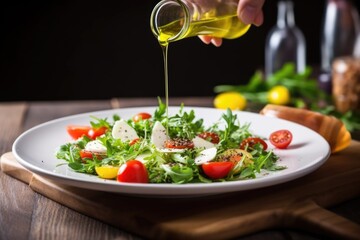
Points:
(35, 149)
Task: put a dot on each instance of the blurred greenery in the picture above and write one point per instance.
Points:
(304, 90)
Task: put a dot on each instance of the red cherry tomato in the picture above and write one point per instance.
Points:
(133, 171)
(141, 116)
(132, 142)
(281, 138)
(251, 141)
(77, 131)
(86, 154)
(216, 170)
(96, 132)
(179, 143)
(210, 136)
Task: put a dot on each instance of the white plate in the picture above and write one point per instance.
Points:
(35, 150)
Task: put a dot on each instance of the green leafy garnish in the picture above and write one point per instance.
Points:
(304, 91)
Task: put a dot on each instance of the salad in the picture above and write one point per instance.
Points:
(158, 148)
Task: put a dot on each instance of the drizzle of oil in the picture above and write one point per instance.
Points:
(165, 48)
(164, 43)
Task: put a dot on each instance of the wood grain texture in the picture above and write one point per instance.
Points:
(16, 201)
(11, 119)
(63, 223)
(299, 204)
(11, 125)
(40, 112)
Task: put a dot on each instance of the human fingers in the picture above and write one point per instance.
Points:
(250, 11)
(216, 41)
(208, 39)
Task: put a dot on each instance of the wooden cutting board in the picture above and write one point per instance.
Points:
(299, 204)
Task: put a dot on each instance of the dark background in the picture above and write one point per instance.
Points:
(104, 49)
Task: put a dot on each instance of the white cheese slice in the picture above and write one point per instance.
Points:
(95, 146)
(202, 143)
(206, 156)
(158, 135)
(123, 131)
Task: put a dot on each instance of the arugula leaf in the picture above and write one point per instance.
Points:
(233, 133)
(179, 174)
(160, 111)
(98, 123)
(184, 125)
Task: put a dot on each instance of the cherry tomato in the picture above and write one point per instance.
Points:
(281, 138)
(77, 131)
(279, 95)
(133, 171)
(216, 170)
(141, 116)
(86, 154)
(251, 141)
(132, 142)
(179, 143)
(96, 132)
(107, 172)
(210, 136)
(232, 100)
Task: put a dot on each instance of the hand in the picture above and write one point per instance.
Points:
(248, 11)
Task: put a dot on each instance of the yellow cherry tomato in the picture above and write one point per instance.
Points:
(279, 95)
(232, 100)
(107, 172)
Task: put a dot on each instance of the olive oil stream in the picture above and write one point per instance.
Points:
(222, 27)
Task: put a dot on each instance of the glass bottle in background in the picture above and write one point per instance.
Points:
(340, 28)
(285, 42)
(339, 31)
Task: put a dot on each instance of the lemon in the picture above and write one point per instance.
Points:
(279, 95)
(106, 171)
(232, 100)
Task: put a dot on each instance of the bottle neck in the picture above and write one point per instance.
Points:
(285, 14)
(170, 20)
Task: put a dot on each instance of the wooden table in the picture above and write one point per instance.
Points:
(26, 214)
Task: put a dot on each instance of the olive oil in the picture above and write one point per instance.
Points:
(228, 27)
(164, 48)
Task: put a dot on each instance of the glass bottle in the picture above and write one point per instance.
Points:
(340, 28)
(285, 42)
(339, 31)
(173, 20)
